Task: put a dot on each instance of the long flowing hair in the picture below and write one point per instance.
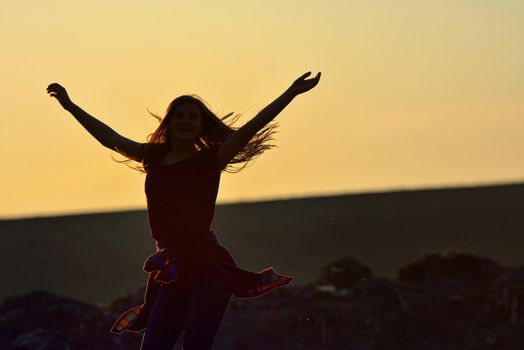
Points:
(215, 131)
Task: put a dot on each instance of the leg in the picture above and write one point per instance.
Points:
(207, 305)
(168, 317)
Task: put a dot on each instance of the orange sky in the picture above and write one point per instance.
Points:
(412, 94)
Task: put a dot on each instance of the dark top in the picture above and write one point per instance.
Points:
(181, 200)
(180, 204)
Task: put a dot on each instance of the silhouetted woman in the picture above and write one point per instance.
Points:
(191, 274)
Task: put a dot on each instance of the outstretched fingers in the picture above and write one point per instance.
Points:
(59, 92)
(314, 80)
(305, 75)
(56, 90)
(54, 87)
(302, 84)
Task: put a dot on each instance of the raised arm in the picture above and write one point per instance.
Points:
(100, 131)
(239, 139)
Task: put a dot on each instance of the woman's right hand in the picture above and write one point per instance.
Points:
(59, 92)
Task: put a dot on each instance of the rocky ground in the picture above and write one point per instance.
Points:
(443, 301)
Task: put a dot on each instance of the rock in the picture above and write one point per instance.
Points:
(450, 267)
(340, 276)
(443, 301)
(41, 320)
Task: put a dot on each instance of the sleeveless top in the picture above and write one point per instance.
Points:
(180, 205)
(181, 200)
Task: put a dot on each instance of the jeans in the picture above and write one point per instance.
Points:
(195, 303)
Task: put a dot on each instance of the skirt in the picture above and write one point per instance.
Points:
(165, 267)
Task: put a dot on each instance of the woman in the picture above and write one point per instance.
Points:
(191, 275)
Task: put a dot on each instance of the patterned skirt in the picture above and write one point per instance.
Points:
(165, 267)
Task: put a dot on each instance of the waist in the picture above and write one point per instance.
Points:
(195, 240)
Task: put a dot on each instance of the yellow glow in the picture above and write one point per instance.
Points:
(412, 94)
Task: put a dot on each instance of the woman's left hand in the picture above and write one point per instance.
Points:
(302, 84)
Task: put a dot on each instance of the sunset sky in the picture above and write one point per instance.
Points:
(413, 94)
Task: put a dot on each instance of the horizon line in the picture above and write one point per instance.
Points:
(398, 189)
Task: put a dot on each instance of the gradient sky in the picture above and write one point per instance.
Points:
(413, 93)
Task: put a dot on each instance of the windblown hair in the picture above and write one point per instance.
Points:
(215, 131)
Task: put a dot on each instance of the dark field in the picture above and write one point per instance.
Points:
(97, 257)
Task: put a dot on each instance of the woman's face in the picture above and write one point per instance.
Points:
(186, 122)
